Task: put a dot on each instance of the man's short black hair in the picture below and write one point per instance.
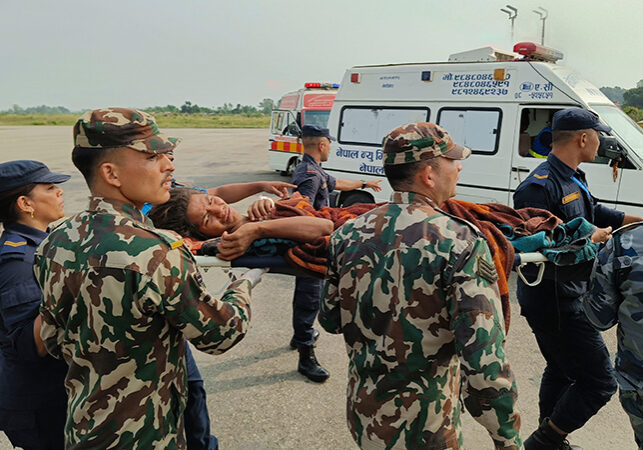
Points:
(87, 161)
(560, 136)
(401, 176)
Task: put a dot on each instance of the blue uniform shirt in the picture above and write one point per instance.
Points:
(27, 381)
(558, 188)
(313, 182)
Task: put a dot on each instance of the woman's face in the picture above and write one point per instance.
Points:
(211, 214)
(47, 203)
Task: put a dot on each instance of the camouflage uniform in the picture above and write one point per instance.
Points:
(119, 296)
(616, 296)
(414, 292)
(416, 299)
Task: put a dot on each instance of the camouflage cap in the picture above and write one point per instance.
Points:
(121, 127)
(419, 141)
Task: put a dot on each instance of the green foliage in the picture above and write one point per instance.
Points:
(633, 97)
(615, 94)
(635, 113)
(265, 107)
(42, 109)
(164, 119)
(37, 119)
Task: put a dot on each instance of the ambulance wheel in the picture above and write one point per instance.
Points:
(356, 197)
(292, 165)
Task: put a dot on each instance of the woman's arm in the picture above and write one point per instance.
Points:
(232, 193)
(302, 229)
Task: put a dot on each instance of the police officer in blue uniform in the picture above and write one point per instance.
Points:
(32, 393)
(313, 182)
(579, 378)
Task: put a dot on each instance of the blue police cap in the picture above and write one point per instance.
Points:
(577, 119)
(14, 174)
(316, 131)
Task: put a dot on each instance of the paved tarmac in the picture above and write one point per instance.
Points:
(256, 398)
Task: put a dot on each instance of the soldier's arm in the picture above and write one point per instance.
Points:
(604, 297)
(212, 325)
(329, 312)
(608, 217)
(309, 187)
(531, 196)
(489, 389)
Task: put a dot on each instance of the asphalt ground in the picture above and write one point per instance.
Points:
(256, 398)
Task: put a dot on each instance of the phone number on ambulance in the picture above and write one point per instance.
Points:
(541, 95)
(487, 91)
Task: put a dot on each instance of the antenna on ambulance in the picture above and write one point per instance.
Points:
(543, 13)
(513, 13)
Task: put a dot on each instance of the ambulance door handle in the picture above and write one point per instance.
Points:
(518, 170)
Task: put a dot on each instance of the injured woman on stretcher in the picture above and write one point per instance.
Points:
(292, 228)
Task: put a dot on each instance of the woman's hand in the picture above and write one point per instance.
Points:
(235, 244)
(278, 188)
(601, 235)
(261, 209)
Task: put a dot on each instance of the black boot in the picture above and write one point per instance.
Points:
(546, 438)
(309, 367)
(293, 344)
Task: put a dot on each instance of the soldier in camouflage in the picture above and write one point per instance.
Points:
(119, 295)
(414, 292)
(616, 296)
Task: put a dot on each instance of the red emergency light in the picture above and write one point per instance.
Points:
(355, 78)
(535, 52)
(321, 85)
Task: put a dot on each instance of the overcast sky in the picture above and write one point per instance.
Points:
(85, 54)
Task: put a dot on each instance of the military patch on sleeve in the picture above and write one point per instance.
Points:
(571, 197)
(176, 244)
(487, 270)
(15, 244)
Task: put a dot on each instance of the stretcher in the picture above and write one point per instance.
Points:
(534, 267)
(276, 264)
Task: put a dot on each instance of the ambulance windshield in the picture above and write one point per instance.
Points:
(622, 126)
(319, 118)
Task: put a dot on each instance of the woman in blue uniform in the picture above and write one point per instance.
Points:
(32, 393)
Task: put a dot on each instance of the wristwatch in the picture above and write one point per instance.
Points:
(363, 184)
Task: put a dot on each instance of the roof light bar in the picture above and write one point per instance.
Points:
(321, 85)
(535, 52)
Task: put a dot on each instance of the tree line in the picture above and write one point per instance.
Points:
(264, 107)
(631, 100)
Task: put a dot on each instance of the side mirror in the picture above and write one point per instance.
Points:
(293, 129)
(608, 148)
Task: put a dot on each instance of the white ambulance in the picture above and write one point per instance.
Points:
(308, 106)
(491, 102)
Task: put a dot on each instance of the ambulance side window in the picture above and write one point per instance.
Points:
(277, 122)
(365, 125)
(478, 129)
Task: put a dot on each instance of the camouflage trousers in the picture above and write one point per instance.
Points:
(632, 402)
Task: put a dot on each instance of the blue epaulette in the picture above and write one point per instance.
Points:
(14, 247)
